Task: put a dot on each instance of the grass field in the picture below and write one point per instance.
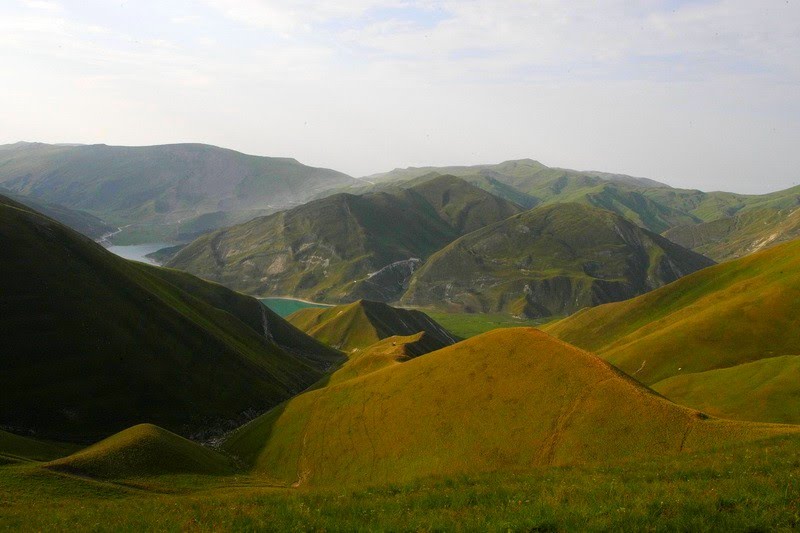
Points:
(754, 487)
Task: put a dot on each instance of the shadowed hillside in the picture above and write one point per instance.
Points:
(363, 323)
(551, 260)
(738, 312)
(94, 343)
(506, 400)
(162, 190)
(344, 247)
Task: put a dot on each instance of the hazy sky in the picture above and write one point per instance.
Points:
(701, 94)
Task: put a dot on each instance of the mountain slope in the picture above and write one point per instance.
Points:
(731, 237)
(551, 260)
(94, 343)
(363, 323)
(505, 401)
(16, 448)
(344, 247)
(729, 314)
(765, 390)
(157, 188)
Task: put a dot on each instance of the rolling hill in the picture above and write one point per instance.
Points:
(552, 260)
(508, 400)
(140, 451)
(344, 247)
(732, 237)
(743, 311)
(94, 343)
(161, 192)
(363, 323)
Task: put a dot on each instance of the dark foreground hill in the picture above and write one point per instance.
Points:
(344, 247)
(93, 343)
(508, 400)
(551, 260)
(714, 339)
(363, 323)
(161, 191)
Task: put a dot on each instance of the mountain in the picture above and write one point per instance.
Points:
(344, 247)
(161, 192)
(731, 237)
(507, 400)
(363, 323)
(80, 221)
(743, 311)
(552, 260)
(93, 343)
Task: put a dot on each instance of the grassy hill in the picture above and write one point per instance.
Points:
(731, 237)
(766, 389)
(363, 323)
(508, 400)
(141, 451)
(94, 343)
(551, 260)
(734, 313)
(160, 190)
(80, 221)
(343, 247)
(16, 448)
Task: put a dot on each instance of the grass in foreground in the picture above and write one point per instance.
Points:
(754, 487)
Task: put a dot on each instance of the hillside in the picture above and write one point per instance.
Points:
(140, 451)
(80, 221)
(766, 389)
(16, 448)
(552, 260)
(363, 323)
(732, 237)
(734, 313)
(160, 190)
(344, 247)
(505, 401)
(94, 343)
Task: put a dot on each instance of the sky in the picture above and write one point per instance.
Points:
(700, 94)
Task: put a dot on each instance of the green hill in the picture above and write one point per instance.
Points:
(80, 221)
(16, 448)
(734, 313)
(93, 343)
(157, 191)
(508, 400)
(768, 390)
(731, 237)
(551, 260)
(343, 247)
(363, 323)
(140, 451)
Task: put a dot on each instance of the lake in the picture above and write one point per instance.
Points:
(286, 306)
(137, 252)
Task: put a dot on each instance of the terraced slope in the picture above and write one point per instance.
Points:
(161, 190)
(507, 400)
(731, 237)
(93, 343)
(363, 323)
(141, 451)
(551, 260)
(344, 247)
(766, 390)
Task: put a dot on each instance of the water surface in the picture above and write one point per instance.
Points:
(286, 306)
(137, 252)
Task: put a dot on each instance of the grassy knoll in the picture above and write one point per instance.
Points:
(15, 448)
(466, 325)
(506, 400)
(743, 487)
(363, 323)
